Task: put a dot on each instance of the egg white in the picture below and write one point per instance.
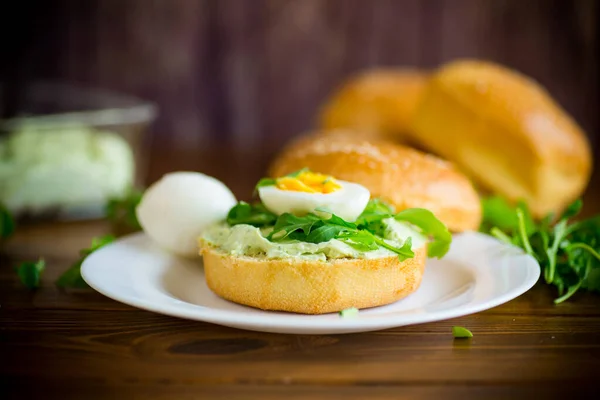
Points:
(348, 202)
(175, 210)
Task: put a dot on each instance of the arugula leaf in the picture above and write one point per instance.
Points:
(375, 211)
(569, 253)
(71, 278)
(403, 252)
(324, 233)
(361, 240)
(431, 226)
(592, 281)
(121, 210)
(572, 210)
(288, 223)
(97, 243)
(7, 223)
(365, 234)
(264, 182)
(497, 212)
(335, 220)
(312, 228)
(297, 173)
(461, 333)
(30, 273)
(255, 215)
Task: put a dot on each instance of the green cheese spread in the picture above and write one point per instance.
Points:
(246, 240)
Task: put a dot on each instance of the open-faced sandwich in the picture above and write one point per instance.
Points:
(314, 244)
(340, 224)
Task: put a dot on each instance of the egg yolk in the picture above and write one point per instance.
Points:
(309, 182)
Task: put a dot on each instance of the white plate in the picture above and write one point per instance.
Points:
(478, 273)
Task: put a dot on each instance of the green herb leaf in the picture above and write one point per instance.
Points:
(404, 252)
(335, 220)
(360, 240)
(30, 273)
(497, 212)
(324, 233)
(255, 215)
(375, 211)
(121, 210)
(99, 242)
(572, 210)
(71, 278)
(461, 333)
(295, 174)
(7, 223)
(567, 252)
(349, 312)
(430, 226)
(264, 182)
(288, 223)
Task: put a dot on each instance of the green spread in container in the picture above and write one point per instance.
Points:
(62, 167)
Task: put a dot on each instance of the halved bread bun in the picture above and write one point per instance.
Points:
(506, 132)
(399, 175)
(311, 287)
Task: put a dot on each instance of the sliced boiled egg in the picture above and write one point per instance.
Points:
(305, 192)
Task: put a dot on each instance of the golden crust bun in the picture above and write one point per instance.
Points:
(379, 103)
(505, 131)
(312, 287)
(399, 175)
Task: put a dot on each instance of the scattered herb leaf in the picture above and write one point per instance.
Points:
(461, 333)
(7, 223)
(71, 278)
(349, 312)
(30, 273)
(121, 210)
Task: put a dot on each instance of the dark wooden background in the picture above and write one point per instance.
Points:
(252, 73)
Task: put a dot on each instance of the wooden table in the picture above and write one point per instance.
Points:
(82, 345)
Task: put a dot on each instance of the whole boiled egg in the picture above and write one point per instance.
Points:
(305, 191)
(175, 210)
